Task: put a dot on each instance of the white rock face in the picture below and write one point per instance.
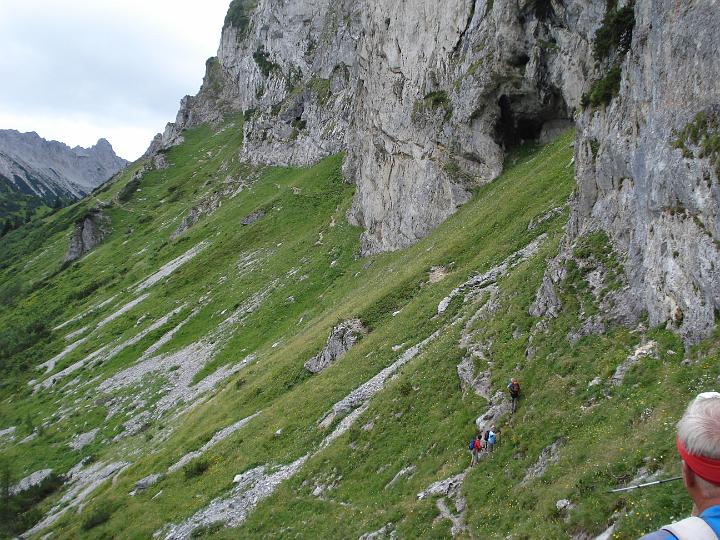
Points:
(81, 440)
(659, 208)
(32, 480)
(657, 202)
(89, 232)
(421, 95)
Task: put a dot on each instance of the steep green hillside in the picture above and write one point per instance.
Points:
(151, 367)
(17, 208)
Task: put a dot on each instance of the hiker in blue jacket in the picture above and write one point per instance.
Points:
(698, 443)
(491, 440)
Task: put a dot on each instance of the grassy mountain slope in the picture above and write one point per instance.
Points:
(240, 318)
(17, 207)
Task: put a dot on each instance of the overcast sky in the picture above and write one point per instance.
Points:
(78, 70)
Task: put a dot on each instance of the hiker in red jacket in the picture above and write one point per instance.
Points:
(475, 450)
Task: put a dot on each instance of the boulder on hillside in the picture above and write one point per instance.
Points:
(252, 217)
(88, 233)
(342, 338)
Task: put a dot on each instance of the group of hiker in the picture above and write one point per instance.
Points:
(485, 440)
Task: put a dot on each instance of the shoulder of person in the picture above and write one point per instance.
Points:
(659, 535)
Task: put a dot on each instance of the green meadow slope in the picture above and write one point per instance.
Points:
(181, 356)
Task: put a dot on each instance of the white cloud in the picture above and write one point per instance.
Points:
(78, 70)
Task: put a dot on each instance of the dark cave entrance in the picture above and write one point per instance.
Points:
(522, 118)
(512, 129)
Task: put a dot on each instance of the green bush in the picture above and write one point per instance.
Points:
(700, 139)
(603, 91)
(615, 32)
(21, 335)
(196, 468)
(213, 75)
(207, 530)
(128, 190)
(263, 61)
(238, 15)
(97, 516)
(17, 513)
(433, 101)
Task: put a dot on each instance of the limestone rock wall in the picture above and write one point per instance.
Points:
(658, 203)
(427, 97)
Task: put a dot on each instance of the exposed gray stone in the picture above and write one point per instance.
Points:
(480, 383)
(645, 350)
(498, 407)
(402, 473)
(32, 480)
(8, 433)
(216, 438)
(342, 338)
(89, 232)
(387, 531)
(362, 394)
(488, 278)
(252, 217)
(82, 440)
(548, 456)
(144, 483)
(83, 482)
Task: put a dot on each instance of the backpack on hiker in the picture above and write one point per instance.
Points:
(471, 446)
(692, 528)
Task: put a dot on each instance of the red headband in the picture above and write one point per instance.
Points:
(705, 467)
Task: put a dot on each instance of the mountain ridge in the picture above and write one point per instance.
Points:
(52, 171)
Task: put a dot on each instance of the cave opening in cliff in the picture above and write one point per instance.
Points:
(513, 129)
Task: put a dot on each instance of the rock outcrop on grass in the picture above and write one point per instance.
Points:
(30, 481)
(342, 338)
(89, 231)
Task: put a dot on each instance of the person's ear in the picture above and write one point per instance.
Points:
(688, 476)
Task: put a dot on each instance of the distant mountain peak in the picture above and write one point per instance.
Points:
(51, 170)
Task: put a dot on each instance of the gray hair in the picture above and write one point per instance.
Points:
(699, 428)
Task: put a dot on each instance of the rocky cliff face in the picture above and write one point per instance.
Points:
(648, 164)
(422, 96)
(426, 98)
(52, 170)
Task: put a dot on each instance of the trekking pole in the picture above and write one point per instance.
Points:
(648, 484)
